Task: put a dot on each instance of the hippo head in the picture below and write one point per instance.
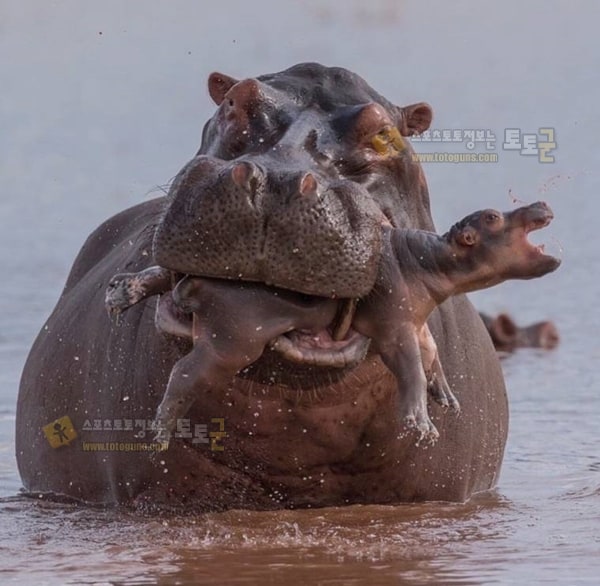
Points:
(492, 246)
(296, 174)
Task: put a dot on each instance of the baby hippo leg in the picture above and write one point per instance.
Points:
(127, 289)
(200, 371)
(232, 325)
(437, 385)
(402, 356)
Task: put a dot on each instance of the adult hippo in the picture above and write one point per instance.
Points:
(507, 336)
(297, 435)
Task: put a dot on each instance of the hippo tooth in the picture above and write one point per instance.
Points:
(344, 318)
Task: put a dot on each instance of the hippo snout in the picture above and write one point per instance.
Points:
(288, 227)
(534, 216)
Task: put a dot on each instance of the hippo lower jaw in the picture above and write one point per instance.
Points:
(321, 348)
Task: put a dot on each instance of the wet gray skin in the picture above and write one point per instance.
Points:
(232, 325)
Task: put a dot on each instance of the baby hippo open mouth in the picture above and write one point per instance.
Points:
(232, 322)
(496, 247)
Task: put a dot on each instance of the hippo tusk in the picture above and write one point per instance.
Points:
(343, 319)
(196, 328)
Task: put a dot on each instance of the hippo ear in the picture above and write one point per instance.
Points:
(503, 331)
(468, 236)
(415, 119)
(218, 85)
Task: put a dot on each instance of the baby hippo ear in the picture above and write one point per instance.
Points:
(468, 236)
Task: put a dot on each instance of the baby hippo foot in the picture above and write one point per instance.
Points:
(123, 291)
(127, 289)
(416, 417)
(439, 390)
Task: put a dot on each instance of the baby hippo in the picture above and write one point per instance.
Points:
(233, 322)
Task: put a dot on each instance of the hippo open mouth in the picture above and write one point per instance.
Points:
(334, 344)
(540, 218)
(338, 345)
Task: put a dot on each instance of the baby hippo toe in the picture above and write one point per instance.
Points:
(440, 392)
(122, 292)
(420, 422)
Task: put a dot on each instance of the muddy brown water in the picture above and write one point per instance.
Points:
(101, 104)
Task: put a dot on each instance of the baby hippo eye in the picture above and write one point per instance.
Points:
(492, 218)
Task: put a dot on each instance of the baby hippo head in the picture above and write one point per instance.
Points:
(494, 245)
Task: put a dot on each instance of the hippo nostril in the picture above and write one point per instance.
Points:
(246, 175)
(308, 184)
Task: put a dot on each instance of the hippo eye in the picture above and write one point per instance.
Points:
(492, 218)
(387, 141)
